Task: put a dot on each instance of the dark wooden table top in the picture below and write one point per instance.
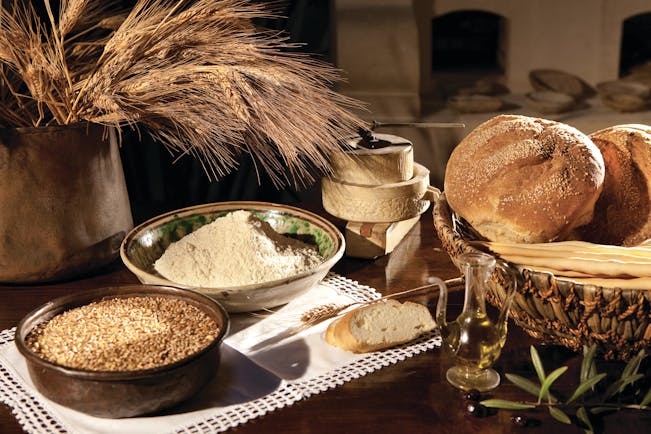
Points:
(411, 396)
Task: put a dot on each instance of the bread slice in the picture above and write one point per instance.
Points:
(379, 325)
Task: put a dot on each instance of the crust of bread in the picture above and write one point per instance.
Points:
(339, 332)
(623, 211)
(525, 180)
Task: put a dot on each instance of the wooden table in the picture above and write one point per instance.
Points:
(409, 397)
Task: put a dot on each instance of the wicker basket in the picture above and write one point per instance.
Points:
(560, 311)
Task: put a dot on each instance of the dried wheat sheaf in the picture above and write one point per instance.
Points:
(197, 75)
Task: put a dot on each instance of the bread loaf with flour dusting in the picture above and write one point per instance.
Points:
(623, 211)
(379, 325)
(524, 180)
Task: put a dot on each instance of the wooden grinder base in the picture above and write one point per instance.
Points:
(371, 240)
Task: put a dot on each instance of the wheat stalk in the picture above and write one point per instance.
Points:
(71, 12)
(323, 312)
(198, 75)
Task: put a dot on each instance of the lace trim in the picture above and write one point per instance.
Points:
(33, 416)
(283, 397)
(368, 364)
(27, 408)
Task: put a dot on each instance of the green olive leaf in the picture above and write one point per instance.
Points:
(537, 364)
(559, 415)
(647, 399)
(528, 386)
(599, 410)
(620, 385)
(585, 386)
(582, 415)
(506, 404)
(612, 389)
(524, 383)
(544, 388)
(587, 364)
(589, 378)
(633, 365)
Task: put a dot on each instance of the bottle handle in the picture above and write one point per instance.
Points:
(442, 303)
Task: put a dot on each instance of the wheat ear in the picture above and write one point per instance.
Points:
(323, 312)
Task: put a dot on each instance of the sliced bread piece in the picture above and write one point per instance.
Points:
(379, 325)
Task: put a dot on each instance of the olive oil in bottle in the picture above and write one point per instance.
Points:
(474, 340)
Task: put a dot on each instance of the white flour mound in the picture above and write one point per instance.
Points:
(234, 250)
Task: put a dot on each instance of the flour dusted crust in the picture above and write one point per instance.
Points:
(525, 180)
(379, 325)
(623, 211)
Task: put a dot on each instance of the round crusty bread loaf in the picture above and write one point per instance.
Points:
(623, 211)
(524, 180)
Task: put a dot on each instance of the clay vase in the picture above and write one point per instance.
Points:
(64, 205)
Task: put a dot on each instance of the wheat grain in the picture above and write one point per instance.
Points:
(323, 312)
(112, 22)
(124, 334)
(70, 14)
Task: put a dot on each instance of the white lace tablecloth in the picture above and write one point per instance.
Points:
(265, 366)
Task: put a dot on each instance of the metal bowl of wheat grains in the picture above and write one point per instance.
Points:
(123, 351)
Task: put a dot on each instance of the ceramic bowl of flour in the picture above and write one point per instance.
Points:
(247, 255)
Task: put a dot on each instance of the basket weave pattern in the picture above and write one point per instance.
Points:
(560, 311)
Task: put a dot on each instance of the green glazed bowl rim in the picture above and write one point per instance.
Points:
(230, 206)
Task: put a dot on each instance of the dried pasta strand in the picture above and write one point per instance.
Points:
(639, 283)
(571, 249)
(590, 266)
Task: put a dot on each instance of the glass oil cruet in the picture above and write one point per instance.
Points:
(474, 339)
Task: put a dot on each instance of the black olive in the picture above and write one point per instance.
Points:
(519, 420)
(472, 395)
(475, 409)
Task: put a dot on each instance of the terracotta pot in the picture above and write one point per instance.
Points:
(64, 205)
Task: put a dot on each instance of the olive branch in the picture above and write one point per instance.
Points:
(587, 399)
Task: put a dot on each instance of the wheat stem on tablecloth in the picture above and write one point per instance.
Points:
(319, 313)
(323, 312)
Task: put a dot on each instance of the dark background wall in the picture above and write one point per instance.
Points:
(157, 183)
